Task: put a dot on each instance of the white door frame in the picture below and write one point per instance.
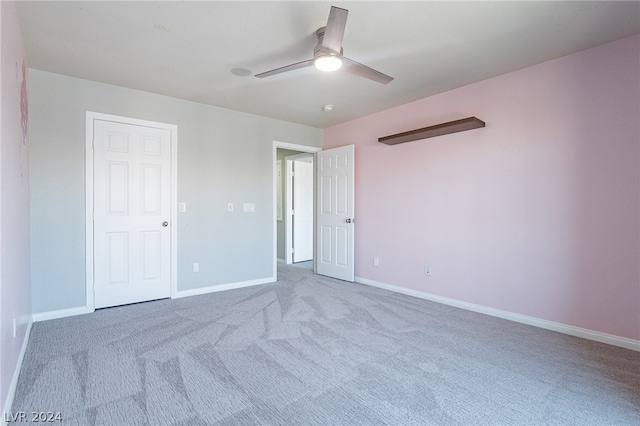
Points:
(89, 275)
(274, 157)
(288, 234)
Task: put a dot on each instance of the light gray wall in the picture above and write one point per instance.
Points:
(223, 156)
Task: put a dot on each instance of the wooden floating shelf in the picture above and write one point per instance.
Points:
(468, 123)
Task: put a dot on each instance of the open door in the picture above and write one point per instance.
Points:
(335, 212)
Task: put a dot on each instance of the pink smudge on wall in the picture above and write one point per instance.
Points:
(24, 105)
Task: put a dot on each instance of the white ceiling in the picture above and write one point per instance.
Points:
(428, 47)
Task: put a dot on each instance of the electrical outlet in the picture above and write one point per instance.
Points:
(427, 271)
(376, 261)
(196, 267)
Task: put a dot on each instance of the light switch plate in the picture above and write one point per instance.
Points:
(249, 207)
(182, 207)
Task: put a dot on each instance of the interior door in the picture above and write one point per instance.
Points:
(335, 212)
(302, 210)
(132, 199)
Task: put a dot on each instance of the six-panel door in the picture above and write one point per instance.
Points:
(132, 189)
(335, 231)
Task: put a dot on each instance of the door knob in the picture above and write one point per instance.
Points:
(165, 223)
(350, 220)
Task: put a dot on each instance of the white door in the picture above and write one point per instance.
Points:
(132, 199)
(335, 212)
(302, 210)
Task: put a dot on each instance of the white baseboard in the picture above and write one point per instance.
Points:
(222, 287)
(14, 380)
(62, 313)
(524, 319)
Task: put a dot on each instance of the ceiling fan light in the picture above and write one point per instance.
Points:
(328, 62)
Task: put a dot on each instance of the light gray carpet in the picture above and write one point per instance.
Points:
(309, 350)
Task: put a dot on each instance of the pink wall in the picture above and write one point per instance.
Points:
(536, 214)
(15, 282)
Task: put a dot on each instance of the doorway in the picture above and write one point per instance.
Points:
(131, 233)
(282, 150)
(334, 190)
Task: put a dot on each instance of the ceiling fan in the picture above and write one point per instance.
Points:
(328, 53)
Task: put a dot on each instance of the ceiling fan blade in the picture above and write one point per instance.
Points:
(334, 31)
(286, 68)
(357, 68)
